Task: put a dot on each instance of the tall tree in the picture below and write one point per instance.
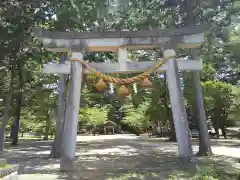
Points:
(19, 47)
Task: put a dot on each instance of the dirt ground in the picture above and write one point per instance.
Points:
(119, 157)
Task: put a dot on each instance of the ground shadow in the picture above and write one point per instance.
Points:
(110, 159)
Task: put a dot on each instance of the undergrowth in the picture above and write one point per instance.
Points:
(207, 173)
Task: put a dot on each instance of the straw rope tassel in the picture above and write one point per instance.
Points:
(120, 81)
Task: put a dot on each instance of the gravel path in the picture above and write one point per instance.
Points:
(116, 157)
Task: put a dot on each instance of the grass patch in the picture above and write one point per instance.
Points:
(8, 168)
(5, 166)
(29, 137)
(206, 173)
(201, 173)
(135, 176)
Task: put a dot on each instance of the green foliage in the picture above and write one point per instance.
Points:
(217, 92)
(234, 113)
(159, 107)
(218, 98)
(93, 116)
(208, 73)
(136, 117)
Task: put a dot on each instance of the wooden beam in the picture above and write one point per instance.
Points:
(190, 37)
(40, 33)
(178, 106)
(67, 161)
(113, 44)
(183, 65)
(122, 59)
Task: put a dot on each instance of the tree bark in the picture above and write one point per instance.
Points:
(47, 127)
(16, 122)
(172, 136)
(6, 110)
(5, 119)
(15, 127)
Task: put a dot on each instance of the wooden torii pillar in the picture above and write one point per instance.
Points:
(77, 43)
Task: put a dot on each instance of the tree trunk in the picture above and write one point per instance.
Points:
(172, 136)
(47, 127)
(6, 111)
(56, 151)
(57, 144)
(16, 122)
(5, 120)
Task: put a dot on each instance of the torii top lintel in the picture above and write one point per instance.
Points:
(187, 37)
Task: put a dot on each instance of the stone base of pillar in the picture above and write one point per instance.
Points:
(67, 164)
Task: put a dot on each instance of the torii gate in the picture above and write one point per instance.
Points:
(80, 42)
